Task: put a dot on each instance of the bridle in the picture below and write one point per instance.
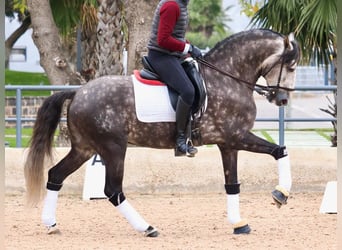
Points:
(268, 91)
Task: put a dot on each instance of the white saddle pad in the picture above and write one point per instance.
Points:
(152, 102)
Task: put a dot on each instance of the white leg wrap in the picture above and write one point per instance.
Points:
(49, 208)
(133, 217)
(233, 208)
(284, 171)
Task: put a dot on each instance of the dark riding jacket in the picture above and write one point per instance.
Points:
(178, 31)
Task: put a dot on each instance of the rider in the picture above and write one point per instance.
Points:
(166, 47)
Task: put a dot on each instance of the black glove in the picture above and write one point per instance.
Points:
(194, 51)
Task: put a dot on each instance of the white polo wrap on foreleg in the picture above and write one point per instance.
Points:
(49, 208)
(233, 208)
(284, 171)
(133, 217)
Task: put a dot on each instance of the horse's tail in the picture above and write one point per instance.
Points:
(44, 128)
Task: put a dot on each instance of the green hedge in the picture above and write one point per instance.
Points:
(26, 78)
(26, 133)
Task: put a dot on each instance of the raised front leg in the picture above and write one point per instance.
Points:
(282, 190)
(232, 186)
(255, 144)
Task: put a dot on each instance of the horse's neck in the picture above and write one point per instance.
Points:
(233, 66)
(242, 57)
(237, 63)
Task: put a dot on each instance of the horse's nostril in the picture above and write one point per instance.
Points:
(284, 102)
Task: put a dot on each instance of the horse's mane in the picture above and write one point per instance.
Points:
(238, 35)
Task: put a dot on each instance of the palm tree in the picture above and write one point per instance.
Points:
(314, 23)
(103, 29)
(78, 17)
(111, 37)
(68, 17)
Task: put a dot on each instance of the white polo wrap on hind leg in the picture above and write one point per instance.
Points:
(233, 208)
(284, 171)
(49, 208)
(133, 217)
(119, 200)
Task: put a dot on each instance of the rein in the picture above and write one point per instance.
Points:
(260, 89)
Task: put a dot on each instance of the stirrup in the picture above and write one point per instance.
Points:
(189, 151)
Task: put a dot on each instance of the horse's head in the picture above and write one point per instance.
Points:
(279, 71)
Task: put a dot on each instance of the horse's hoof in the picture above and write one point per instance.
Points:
(242, 230)
(151, 232)
(241, 227)
(53, 229)
(279, 198)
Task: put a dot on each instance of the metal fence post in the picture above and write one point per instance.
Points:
(281, 125)
(18, 117)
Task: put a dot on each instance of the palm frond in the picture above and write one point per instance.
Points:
(313, 22)
(68, 14)
(319, 21)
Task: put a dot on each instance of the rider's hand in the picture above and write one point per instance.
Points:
(194, 51)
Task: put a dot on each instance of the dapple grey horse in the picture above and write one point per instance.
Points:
(102, 119)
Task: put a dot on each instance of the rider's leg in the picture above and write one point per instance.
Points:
(171, 71)
(182, 121)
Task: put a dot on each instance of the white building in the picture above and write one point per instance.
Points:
(25, 55)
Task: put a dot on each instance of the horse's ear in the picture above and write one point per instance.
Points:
(288, 41)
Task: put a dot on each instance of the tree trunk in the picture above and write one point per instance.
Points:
(139, 16)
(46, 38)
(11, 40)
(112, 34)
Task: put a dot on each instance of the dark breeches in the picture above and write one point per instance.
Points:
(171, 72)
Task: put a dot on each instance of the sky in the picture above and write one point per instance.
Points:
(239, 20)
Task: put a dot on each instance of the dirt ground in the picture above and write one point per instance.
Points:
(183, 204)
(197, 221)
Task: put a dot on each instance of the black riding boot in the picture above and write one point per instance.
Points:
(182, 121)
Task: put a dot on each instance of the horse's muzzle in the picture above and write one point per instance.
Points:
(279, 97)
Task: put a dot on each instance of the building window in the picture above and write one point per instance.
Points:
(18, 54)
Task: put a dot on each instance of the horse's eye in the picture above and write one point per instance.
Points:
(290, 69)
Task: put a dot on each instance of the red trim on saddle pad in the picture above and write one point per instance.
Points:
(147, 81)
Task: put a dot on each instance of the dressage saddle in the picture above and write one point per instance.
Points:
(190, 68)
